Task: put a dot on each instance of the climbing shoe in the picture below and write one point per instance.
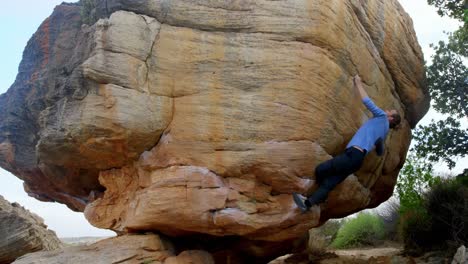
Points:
(300, 202)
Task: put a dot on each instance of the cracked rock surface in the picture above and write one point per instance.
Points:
(202, 117)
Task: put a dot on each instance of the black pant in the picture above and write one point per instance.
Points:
(332, 172)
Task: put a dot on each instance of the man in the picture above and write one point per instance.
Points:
(372, 134)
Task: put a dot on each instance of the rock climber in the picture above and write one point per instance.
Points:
(371, 134)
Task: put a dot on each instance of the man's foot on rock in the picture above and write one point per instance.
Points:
(300, 202)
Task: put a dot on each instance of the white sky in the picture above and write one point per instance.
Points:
(19, 19)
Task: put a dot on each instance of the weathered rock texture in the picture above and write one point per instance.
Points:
(128, 249)
(22, 232)
(202, 117)
(372, 256)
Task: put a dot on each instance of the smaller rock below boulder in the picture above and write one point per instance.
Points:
(22, 232)
(461, 257)
(191, 256)
(128, 249)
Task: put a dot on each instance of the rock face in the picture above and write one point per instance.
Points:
(202, 117)
(128, 249)
(22, 232)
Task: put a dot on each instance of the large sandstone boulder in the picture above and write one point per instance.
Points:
(22, 232)
(202, 117)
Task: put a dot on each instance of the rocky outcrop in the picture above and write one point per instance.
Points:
(22, 232)
(461, 256)
(128, 249)
(373, 256)
(200, 118)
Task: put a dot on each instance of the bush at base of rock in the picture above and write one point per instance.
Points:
(413, 228)
(365, 229)
(441, 222)
(447, 204)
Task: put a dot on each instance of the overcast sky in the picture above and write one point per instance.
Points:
(19, 19)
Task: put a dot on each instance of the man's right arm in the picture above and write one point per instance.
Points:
(358, 86)
(365, 98)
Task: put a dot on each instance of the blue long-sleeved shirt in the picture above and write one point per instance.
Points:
(373, 129)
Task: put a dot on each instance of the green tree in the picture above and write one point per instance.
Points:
(414, 180)
(441, 140)
(453, 8)
(447, 77)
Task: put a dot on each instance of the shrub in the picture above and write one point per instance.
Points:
(462, 178)
(441, 222)
(365, 229)
(414, 230)
(88, 12)
(447, 204)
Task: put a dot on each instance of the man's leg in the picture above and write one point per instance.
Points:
(328, 184)
(322, 172)
(328, 175)
(319, 195)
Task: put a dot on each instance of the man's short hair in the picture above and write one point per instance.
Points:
(394, 124)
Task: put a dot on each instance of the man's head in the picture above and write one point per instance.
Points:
(394, 118)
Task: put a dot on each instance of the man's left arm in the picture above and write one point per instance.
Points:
(379, 146)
